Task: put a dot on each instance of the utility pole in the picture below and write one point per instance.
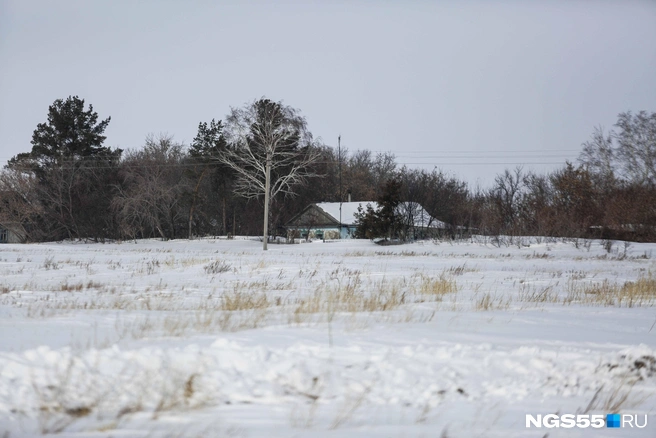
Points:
(339, 158)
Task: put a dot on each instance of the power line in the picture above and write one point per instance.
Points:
(209, 159)
(474, 151)
(436, 154)
(423, 163)
(406, 158)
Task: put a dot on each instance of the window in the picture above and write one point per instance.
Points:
(4, 237)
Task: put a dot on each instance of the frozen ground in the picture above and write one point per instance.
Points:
(343, 339)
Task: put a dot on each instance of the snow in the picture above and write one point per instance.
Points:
(130, 339)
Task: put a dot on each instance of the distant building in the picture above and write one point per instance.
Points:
(12, 233)
(322, 220)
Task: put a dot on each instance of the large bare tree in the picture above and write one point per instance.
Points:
(599, 156)
(150, 195)
(628, 153)
(636, 146)
(270, 150)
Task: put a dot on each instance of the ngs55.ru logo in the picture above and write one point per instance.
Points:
(597, 421)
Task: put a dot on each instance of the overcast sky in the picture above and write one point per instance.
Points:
(454, 84)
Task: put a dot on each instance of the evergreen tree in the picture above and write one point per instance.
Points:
(74, 172)
(70, 134)
(209, 141)
(385, 220)
(390, 198)
(204, 151)
(366, 222)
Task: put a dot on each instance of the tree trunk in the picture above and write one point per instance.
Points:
(193, 202)
(266, 200)
(225, 226)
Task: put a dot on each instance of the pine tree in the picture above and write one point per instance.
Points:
(74, 172)
(70, 134)
(385, 220)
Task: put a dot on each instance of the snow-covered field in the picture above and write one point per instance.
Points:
(344, 339)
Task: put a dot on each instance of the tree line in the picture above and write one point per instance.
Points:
(249, 173)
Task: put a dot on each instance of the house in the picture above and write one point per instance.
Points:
(417, 222)
(335, 220)
(12, 233)
(322, 220)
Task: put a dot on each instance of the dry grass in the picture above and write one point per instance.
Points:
(460, 270)
(356, 254)
(262, 292)
(313, 289)
(537, 295)
(348, 409)
(50, 263)
(404, 253)
(181, 324)
(58, 407)
(217, 267)
(238, 300)
(68, 393)
(350, 297)
(437, 287)
(488, 302)
(71, 287)
(536, 255)
(641, 292)
(616, 399)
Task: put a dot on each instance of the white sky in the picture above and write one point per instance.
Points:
(461, 85)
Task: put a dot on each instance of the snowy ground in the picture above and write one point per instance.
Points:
(344, 339)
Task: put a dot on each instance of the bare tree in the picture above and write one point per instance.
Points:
(270, 150)
(19, 201)
(149, 198)
(598, 157)
(72, 197)
(506, 195)
(358, 175)
(636, 146)
(383, 169)
(575, 199)
(536, 213)
(629, 152)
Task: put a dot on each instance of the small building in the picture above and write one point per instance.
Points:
(417, 222)
(337, 220)
(12, 233)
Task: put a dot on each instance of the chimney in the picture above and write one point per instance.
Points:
(349, 195)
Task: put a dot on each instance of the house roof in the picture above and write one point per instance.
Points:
(348, 210)
(419, 214)
(16, 227)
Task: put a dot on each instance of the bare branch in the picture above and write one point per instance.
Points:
(270, 150)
